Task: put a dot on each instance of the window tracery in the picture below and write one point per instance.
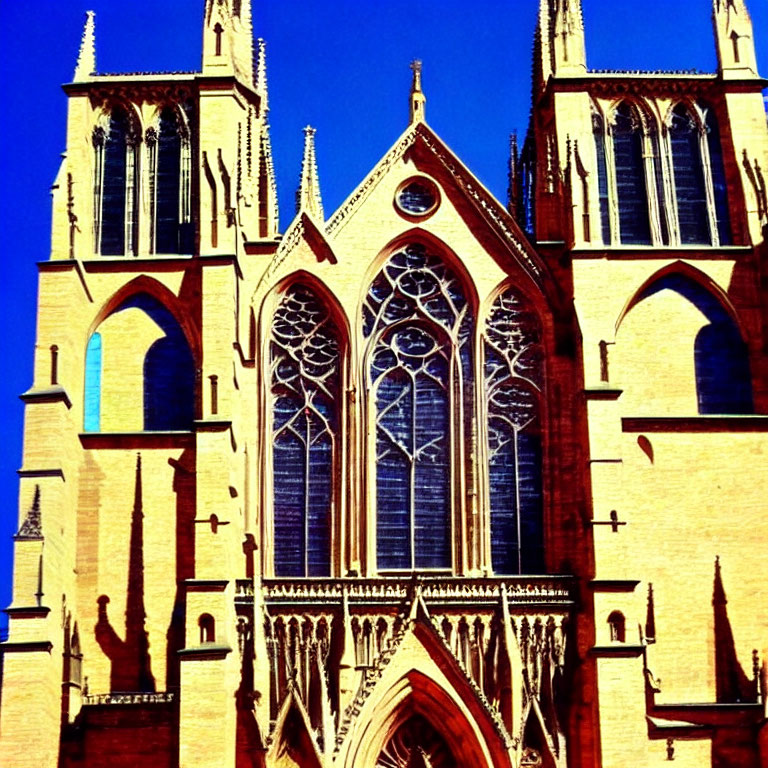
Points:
(420, 326)
(513, 385)
(305, 370)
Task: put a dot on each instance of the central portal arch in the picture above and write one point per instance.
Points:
(416, 744)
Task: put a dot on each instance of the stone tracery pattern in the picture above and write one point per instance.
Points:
(305, 381)
(420, 327)
(513, 384)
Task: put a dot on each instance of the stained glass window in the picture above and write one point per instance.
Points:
(719, 185)
(116, 204)
(634, 221)
(305, 388)
(417, 197)
(420, 364)
(598, 130)
(692, 212)
(513, 382)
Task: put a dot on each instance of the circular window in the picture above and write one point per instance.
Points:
(417, 197)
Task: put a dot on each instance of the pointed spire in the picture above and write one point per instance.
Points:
(86, 58)
(560, 48)
(734, 38)
(261, 74)
(417, 98)
(308, 198)
(228, 39)
(514, 158)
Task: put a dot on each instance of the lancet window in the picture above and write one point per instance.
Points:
(305, 371)
(656, 190)
(115, 185)
(419, 328)
(513, 391)
(170, 163)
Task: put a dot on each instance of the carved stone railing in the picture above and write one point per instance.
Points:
(552, 592)
(165, 697)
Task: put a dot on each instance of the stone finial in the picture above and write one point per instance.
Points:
(308, 198)
(86, 58)
(417, 98)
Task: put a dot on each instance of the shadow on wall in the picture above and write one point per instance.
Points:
(166, 383)
(721, 359)
(131, 666)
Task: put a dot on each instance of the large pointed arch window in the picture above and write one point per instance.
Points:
(170, 164)
(631, 189)
(305, 363)
(598, 132)
(717, 172)
(115, 187)
(690, 185)
(513, 384)
(419, 326)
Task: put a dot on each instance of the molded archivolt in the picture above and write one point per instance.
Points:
(139, 370)
(679, 349)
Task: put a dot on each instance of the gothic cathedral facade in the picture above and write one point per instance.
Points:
(433, 481)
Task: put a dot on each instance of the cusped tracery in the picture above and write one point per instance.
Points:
(305, 361)
(513, 384)
(420, 326)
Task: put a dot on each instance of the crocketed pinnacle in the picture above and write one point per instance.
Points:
(86, 59)
(261, 74)
(308, 198)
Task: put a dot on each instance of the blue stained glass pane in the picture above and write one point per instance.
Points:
(689, 179)
(531, 512)
(92, 404)
(394, 446)
(602, 181)
(113, 186)
(502, 476)
(290, 498)
(719, 185)
(319, 506)
(431, 485)
(168, 184)
(634, 222)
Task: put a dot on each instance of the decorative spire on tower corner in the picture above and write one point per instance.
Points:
(308, 198)
(86, 58)
(734, 39)
(514, 158)
(417, 98)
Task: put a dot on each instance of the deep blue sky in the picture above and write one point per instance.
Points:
(340, 65)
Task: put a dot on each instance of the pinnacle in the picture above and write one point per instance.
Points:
(86, 58)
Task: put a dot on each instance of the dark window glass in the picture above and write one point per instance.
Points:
(692, 214)
(167, 185)
(513, 376)
(634, 222)
(602, 178)
(418, 197)
(113, 188)
(419, 319)
(719, 185)
(305, 381)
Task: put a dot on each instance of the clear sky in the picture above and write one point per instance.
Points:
(340, 65)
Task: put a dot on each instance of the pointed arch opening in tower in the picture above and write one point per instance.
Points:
(305, 363)
(419, 327)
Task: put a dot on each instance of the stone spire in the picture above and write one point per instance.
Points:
(514, 159)
(560, 48)
(417, 99)
(308, 197)
(86, 58)
(261, 75)
(228, 39)
(734, 39)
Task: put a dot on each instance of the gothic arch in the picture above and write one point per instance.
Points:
(338, 323)
(416, 693)
(160, 292)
